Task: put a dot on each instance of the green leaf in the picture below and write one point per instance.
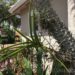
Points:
(1, 73)
(8, 71)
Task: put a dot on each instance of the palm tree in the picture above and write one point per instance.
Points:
(23, 52)
(51, 23)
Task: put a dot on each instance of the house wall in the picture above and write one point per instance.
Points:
(71, 16)
(60, 6)
(25, 22)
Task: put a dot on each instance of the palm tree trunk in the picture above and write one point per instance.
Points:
(51, 22)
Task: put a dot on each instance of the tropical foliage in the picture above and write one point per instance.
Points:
(6, 23)
(24, 56)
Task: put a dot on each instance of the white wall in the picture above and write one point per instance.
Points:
(60, 6)
(71, 16)
(25, 22)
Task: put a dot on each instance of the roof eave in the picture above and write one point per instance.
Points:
(18, 6)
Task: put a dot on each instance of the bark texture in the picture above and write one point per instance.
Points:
(51, 22)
